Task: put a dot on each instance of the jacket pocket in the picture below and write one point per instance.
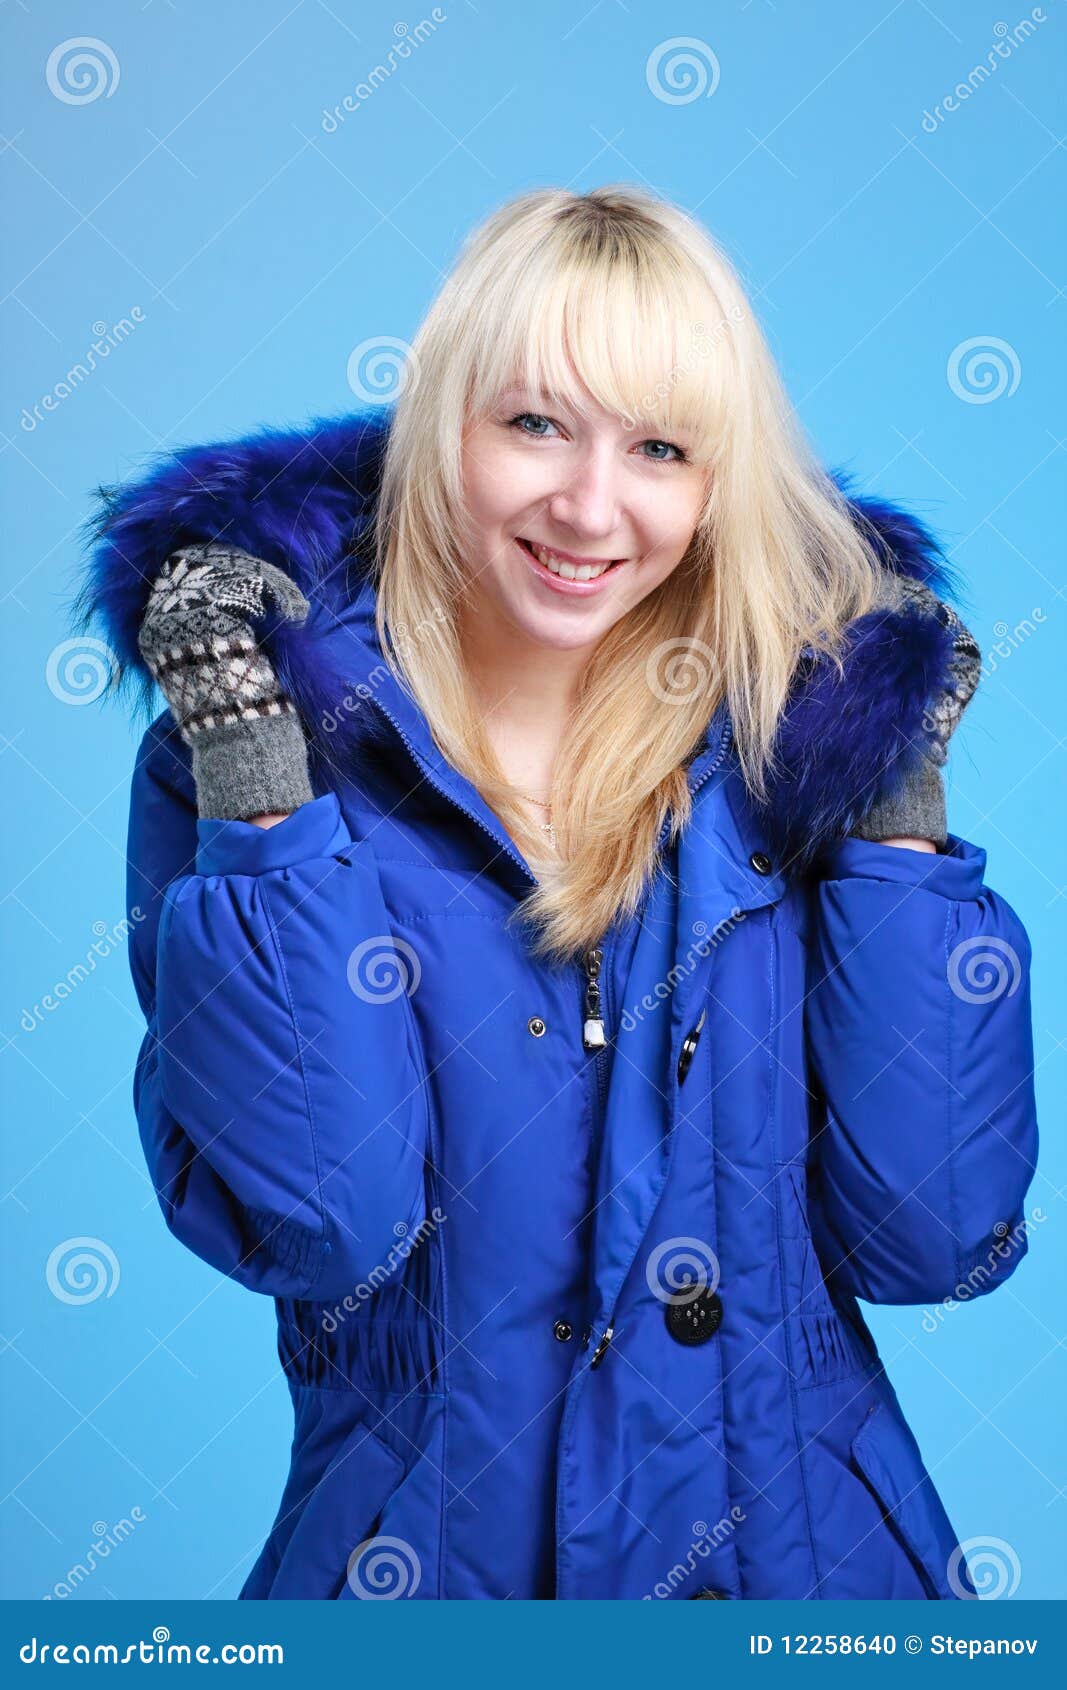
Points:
(887, 1456)
(340, 1513)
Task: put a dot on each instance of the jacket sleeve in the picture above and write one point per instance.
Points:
(918, 1022)
(277, 1092)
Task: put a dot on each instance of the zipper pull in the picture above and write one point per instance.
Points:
(593, 1036)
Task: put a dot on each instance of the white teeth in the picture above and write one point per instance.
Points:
(569, 572)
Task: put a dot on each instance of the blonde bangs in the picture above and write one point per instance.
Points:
(639, 336)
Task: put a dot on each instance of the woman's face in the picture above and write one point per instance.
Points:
(591, 490)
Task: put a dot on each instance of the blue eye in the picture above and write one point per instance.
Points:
(522, 417)
(681, 456)
(530, 416)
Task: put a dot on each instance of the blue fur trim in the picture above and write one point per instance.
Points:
(847, 740)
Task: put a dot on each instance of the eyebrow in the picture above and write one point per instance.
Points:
(539, 396)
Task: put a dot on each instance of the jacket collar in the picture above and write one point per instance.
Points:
(304, 498)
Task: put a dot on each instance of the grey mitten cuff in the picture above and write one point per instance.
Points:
(252, 768)
(249, 754)
(917, 810)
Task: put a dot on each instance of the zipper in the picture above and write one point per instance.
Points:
(593, 1025)
(594, 1034)
(486, 829)
(593, 968)
(726, 739)
(594, 1038)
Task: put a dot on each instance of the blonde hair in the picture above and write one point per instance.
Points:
(630, 295)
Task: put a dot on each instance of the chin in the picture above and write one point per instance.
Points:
(558, 633)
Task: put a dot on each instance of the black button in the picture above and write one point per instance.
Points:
(710, 1596)
(689, 1045)
(761, 862)
(694, 1316)
(563, 1330)
(536, 1026)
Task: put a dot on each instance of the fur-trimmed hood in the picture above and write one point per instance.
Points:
(303, 498)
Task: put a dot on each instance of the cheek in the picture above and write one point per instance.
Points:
(671, 529)
(666, 508)
(669, 549)
(482, 478)
(500, 486)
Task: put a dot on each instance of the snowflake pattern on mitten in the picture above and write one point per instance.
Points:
(197, 636)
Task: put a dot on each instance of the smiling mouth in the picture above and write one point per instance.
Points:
(566, 570)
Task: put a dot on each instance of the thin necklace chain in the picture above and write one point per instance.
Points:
(547, 827)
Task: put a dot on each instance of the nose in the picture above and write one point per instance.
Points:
(587, 499)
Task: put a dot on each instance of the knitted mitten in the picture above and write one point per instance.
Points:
(249, 754)
(917, 809)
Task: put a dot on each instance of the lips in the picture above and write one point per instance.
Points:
(567, 560)
(562, 585)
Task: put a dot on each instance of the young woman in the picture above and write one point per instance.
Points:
(564, 996)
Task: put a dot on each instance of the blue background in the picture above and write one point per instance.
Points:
(259, 248)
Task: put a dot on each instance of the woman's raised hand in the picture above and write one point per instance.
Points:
(914, 814)
(197, 635)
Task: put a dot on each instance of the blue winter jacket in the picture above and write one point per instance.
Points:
(561, 1324)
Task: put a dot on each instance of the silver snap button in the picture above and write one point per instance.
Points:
(537, 1027)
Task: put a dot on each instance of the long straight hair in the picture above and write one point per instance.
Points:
(626, 294)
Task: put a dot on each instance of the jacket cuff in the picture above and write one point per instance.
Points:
(957, 871)
(316, 829)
